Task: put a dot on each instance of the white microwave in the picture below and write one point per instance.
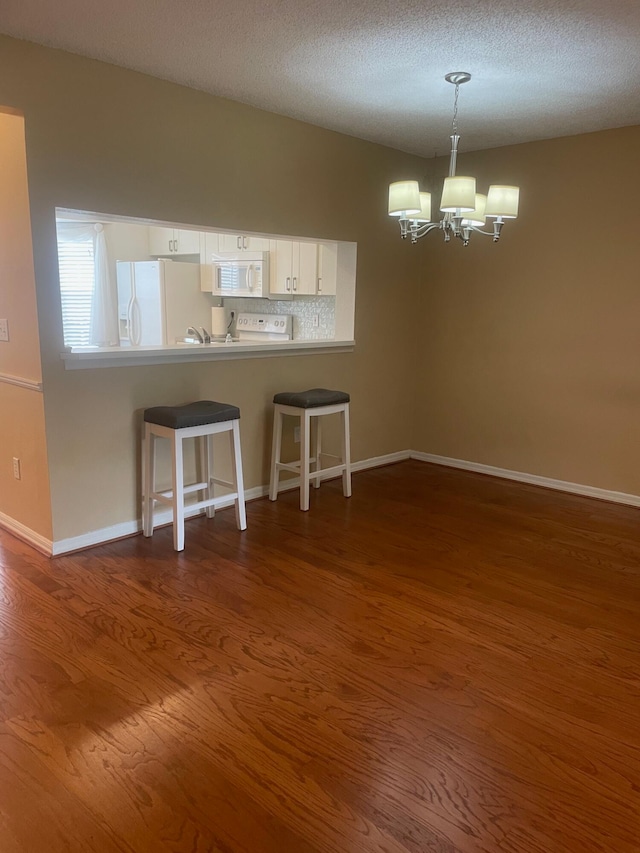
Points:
(240, 274)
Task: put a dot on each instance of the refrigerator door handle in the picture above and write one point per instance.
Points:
(135, 323)
(132, 296)
(134, 312)
(130, 319)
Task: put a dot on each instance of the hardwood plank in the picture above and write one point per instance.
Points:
(444, 662)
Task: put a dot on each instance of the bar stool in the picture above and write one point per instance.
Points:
(201, 420)
(307, 405)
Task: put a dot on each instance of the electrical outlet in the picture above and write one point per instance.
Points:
(16, 467)
(296, 434)
(4, 330)
(316, 321)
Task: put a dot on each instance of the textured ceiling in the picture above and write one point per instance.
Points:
(374, 68)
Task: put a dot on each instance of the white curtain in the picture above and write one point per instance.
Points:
(104, 305)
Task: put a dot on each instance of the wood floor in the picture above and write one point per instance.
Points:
(445, 662)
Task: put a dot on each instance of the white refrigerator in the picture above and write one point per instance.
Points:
(158, 301)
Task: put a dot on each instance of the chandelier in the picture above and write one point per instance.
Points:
(464, 210)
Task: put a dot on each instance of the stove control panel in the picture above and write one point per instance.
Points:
(266, 324)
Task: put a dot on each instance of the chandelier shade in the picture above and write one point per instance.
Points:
(424, 214)
(458, 195)
(476, 216)
(464, 210)
(503, 201)
(404, 198)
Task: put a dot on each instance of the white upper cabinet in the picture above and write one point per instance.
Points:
(188, 242)
(327, 269)
(209, 246)
(294, 267)
(173, 241)
(160, 240)
(242, 243)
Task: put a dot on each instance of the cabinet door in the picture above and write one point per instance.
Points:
(281, 267)
(230, 242)
(255, 244)
(186, 242)
(305, 268)
(243, 243)
(327, 269)
(209, 246)
(161, 240)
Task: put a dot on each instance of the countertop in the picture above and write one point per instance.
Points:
(91, 357)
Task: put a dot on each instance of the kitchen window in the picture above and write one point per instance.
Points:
(93, 249)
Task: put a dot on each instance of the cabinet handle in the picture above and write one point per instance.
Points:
(288, 283)
(295, 283)
(238, 243)
(244, 242)
(319, 285)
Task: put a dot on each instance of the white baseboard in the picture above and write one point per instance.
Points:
(129, 528)
(532, 479)
(20, 531)
(379, 461)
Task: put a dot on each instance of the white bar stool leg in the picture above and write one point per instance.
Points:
(236, 459)
(318, 452)
(148, 479)
(305, 455)
(346, 452)
(276, 446)
(207, 453)
(178, 491)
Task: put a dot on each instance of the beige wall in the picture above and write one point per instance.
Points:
(105, 139)
(522, 355)
(531, 357)
(22, 433)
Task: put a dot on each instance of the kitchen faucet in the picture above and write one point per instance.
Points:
(196, 334)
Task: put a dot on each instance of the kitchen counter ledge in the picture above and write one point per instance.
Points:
(90, 357)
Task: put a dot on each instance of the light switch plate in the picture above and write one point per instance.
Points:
(4, 330)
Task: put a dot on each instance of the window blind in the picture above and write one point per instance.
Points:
(77, 282)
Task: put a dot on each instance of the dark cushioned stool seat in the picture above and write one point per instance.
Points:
(192, 414)
(312, 398)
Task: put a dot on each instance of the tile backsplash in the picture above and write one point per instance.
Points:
(304, 309)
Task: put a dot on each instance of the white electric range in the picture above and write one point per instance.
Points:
(263, 328)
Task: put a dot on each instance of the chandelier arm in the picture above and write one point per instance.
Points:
(497, 230)
(406, 230)
(424, 229)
